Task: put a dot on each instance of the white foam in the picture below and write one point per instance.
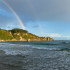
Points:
(46, 48)
(15, 49)
(13, 52)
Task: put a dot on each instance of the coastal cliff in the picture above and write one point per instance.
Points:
(20, 35)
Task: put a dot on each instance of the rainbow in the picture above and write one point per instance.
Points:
(21, 23)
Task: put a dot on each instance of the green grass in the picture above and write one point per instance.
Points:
(17, 34)
(5, 35)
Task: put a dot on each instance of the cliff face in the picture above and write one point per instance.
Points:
(22, 35)
(49, 39)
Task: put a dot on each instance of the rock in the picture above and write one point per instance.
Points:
(49, 39)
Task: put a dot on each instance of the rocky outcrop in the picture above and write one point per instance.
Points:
(50, 39)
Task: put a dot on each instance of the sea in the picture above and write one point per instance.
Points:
(35, 55)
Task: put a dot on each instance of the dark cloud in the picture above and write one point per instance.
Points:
(42, 10)
(34, 10)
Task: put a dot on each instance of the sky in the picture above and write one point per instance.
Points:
(41, 17)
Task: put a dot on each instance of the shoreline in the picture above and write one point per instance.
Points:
(20, 40)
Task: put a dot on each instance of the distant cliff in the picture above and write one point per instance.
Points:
(20, 35)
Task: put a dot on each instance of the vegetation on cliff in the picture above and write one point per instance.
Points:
(20, 34)
(5, 35)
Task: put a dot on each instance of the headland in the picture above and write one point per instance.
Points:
(20, 35)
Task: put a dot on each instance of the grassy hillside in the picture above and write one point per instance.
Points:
(5, 35)
(19, 34)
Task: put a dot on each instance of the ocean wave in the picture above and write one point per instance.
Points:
(15, 49)
(65, 49)
(15, 52)
(46, 48)
(21, 49)
(65, 42)
(52, 48)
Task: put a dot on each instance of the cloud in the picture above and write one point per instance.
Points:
(54, 35)
(7, 19)
(35, 10)
(58, 36)
(42, 10)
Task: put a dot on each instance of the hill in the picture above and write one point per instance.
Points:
(20, 35)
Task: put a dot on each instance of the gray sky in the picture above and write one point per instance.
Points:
(43, 10)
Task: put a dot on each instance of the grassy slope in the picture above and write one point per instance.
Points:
(18, 34)
(5, 35)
